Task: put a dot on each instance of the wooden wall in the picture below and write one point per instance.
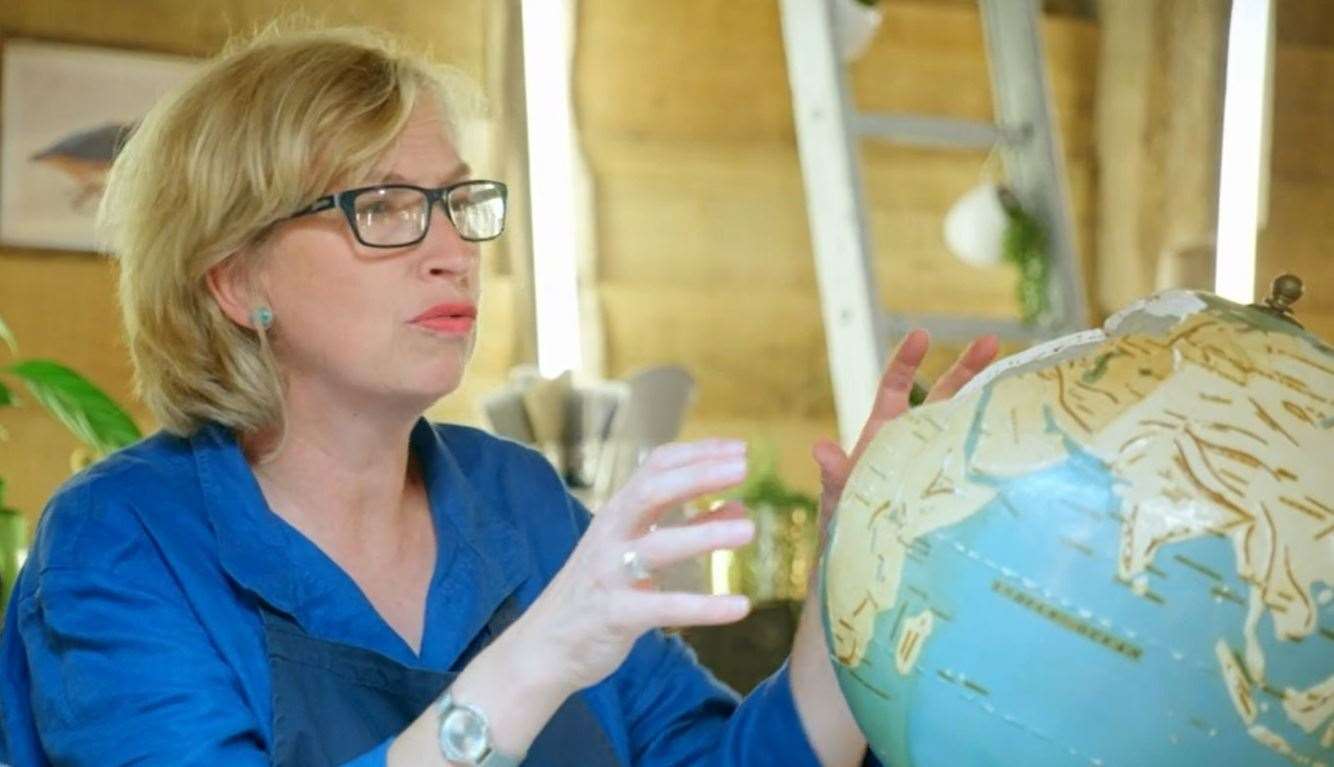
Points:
(1299, 236)
(703, 251)
(62, 305)
(704, 255)
(1160, 101)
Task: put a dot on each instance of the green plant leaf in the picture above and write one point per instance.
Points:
(7, 336)
(1024, 244)
(763, 487)
(74, 401)
(6, 396)
(917, 395)
(3, 508)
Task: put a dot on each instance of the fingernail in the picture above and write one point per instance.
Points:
(737, 528)
(735, 467)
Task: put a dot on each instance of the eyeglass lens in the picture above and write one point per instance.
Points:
(478, 210)
(391, 216)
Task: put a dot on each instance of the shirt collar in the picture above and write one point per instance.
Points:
(481, 556)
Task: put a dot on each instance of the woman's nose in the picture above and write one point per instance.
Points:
(445, 249)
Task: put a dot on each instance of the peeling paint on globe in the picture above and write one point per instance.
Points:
(1114, 549)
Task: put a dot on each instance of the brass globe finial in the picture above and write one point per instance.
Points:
(1284, 291)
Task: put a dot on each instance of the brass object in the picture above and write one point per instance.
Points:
(1284, 291)
(776, 565)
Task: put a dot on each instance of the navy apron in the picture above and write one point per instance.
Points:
(334, 702)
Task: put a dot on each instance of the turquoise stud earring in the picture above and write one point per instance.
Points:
(264, 317)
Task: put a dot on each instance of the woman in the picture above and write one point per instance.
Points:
(300, 569)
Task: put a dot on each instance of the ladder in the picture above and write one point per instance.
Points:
(857, 326)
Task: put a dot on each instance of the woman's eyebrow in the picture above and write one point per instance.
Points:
(459, 173)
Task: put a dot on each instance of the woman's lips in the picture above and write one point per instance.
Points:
(449, 318)
(445, 324)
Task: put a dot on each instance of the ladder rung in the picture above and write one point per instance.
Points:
(922, 130)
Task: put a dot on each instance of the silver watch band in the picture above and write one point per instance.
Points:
(497, 759)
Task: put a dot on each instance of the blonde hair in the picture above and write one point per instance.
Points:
(271, 124)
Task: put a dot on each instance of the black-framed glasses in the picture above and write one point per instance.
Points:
(398, 215)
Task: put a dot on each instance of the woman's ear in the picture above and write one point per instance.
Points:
(233, 290)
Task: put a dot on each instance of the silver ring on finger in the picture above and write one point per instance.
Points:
(633, 565)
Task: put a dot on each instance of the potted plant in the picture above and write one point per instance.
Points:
(776, 565)
(99, 423)
(988, 225)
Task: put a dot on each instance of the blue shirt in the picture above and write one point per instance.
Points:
(134, 634)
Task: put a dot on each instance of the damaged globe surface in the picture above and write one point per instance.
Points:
(1114, 549)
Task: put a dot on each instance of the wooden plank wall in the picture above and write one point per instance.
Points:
(1299, 236)
(62, 305)
(1159, 118)
(704, 255)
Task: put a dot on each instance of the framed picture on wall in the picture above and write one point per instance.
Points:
(65, 111)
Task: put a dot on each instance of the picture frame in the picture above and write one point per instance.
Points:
(64, 112)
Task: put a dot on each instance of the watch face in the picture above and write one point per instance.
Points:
(463, 735)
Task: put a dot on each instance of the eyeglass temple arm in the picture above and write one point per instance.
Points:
(322, 204)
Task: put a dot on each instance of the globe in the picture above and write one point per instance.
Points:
(1114, 549)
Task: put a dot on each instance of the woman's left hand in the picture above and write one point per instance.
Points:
(891, 401)
(824, 714)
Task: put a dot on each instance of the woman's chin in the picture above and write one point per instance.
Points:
(413, 389)
(435, 388)
(412, 404)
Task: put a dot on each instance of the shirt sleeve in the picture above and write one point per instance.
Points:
(107, 659)
(121, 675)
(678, 714)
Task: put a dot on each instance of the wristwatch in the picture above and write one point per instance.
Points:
(465, 737)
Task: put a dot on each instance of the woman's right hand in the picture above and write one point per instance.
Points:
(582, 626)
(594, 609)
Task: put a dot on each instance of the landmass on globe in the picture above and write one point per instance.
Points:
(1213, 421)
